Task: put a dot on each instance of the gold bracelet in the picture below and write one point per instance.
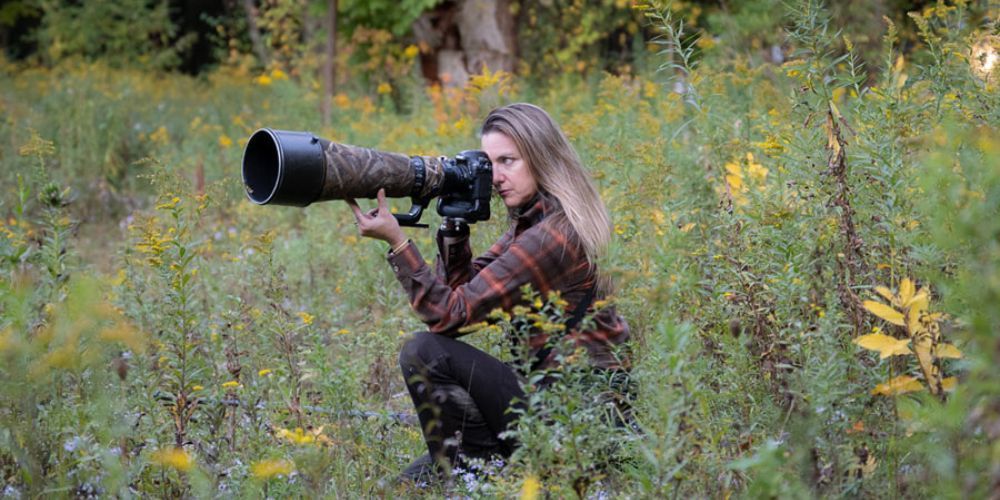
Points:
(395, 251)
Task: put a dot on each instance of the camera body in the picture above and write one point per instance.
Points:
(468, 185)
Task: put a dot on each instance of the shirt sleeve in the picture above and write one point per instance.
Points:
(455, 264)
(539, 256)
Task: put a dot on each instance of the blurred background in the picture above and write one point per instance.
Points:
(806, 208)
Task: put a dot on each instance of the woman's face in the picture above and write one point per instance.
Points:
(511, 177)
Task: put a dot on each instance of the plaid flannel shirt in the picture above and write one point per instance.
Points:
(463, 291)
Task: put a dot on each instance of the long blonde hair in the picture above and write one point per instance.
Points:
(558, 171)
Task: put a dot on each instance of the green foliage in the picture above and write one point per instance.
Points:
(393, 15)
(576, 36)
(130, 32)
(12, 12)
(961, 183)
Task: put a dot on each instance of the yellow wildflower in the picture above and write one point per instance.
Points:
(306, 317)
(548, 327)
(756, 170)
(530, 488)
(263, 373)
(225, 141)
(160, 136)
(170, 204)
(499, 314)
(37, 146)
(123, 332)
(734, 176)
(301, 437)
(277, 74)
(266, 469)
(384, 88)
(771, 146)
(295, 437)
(263, 80)
(650, 89)
(475, 327)
(176, 458)
(411, 51)
(230, 384)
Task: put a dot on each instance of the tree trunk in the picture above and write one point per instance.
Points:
(487, 32)
(329, 61)
(255, 39)
(465, 37)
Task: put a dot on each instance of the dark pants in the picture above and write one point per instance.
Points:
(462, 396)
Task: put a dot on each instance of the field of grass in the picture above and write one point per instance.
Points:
(785, 237)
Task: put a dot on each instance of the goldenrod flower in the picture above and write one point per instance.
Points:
(295, 437)
(756, 170)
(266, 469)
(176, 458)
(306, 317)
(499, 314)
(37, 146)
(475, 327)
(530, 488)
(169, 204)
(160, 136)
(734, 176)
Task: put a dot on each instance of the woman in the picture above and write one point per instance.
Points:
(559, 228)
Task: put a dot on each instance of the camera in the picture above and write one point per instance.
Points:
(293, 168)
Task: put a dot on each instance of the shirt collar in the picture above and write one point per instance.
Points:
(534, 210)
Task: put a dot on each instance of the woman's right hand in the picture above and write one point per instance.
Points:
(378, 223)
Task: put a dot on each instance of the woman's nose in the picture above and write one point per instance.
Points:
(497, 177)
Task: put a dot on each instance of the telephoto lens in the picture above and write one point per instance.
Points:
(282, 167)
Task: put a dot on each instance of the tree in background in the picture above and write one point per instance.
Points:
(376, 44)
(125, 32)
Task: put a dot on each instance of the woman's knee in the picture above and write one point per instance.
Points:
(418, 351)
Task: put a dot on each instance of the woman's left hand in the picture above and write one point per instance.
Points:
(379, 222)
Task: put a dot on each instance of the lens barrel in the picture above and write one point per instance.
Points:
(283, 167)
